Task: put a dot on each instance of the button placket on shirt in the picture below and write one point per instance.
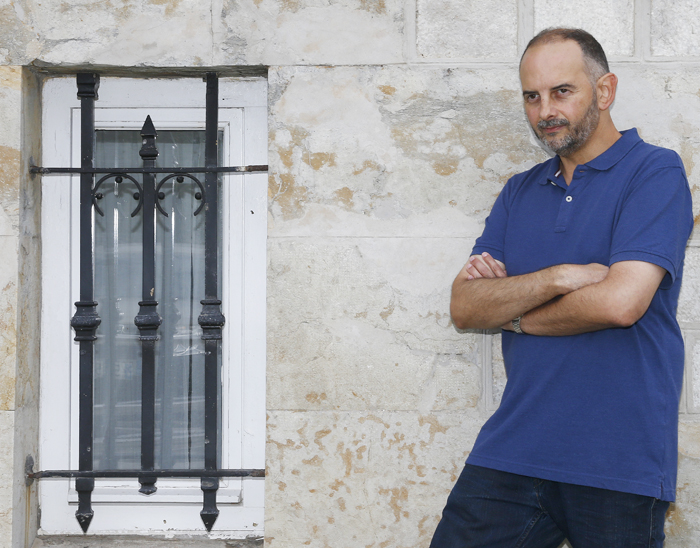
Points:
(567, 203)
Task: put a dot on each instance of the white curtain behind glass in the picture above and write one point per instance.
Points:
(179, 289)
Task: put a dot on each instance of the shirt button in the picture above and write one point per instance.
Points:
(569, 198)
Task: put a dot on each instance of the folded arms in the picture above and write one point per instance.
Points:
(564, 299)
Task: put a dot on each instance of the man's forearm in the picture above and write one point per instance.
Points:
(620, 300)
(485, 303)
(571, 314)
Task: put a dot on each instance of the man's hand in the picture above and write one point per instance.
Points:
(484, 266)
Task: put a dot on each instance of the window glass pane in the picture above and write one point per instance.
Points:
(179, 290)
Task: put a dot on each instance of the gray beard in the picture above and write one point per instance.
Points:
(578, 133)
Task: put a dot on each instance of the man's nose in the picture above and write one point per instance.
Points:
(547, 110)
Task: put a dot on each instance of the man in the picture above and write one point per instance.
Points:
(580, 264)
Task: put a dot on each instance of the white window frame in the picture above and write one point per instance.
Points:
(172, 104)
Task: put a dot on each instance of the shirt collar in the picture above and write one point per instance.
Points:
(553, 172)
(617, 151)
(602, 162)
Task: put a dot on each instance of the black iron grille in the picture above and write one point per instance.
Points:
(86, 321)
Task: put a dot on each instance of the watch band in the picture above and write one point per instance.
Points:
(516, 325)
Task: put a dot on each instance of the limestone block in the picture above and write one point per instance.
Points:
(10, 139)
(674, 28)
(610, 21)
(392, 151)
(274, 32)
(682, 519)
(689, 438)
(8, 321)
(6, 473)
(498, 371)
(689, 300)
(361, 479)
(137, 32)
(10, 99)
(350, 317)
(691, 384)
(467, 29)
(15, 33)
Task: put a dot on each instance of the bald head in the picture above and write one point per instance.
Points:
(596, 63)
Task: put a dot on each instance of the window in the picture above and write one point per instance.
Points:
(177, 110)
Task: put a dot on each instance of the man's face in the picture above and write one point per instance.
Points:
(560, 101)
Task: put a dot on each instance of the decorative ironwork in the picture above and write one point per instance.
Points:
(118, 179)
(148, 320)
(85, 322)
(211, 306)
(180, 179)
(186, 473)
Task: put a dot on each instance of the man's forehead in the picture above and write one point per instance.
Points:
(552, 57)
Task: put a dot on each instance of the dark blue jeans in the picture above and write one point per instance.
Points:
(492, 509)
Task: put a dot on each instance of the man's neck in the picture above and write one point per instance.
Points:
(605, 136)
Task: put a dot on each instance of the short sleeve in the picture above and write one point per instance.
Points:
(492, 239)
(655, 221)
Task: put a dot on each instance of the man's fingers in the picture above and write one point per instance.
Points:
(477, 263)
(497, 267)
(472, 272)
(486, 267)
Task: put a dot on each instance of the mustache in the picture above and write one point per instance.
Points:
(544, 124)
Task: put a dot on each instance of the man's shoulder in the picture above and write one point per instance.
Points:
(659, 156)
(649, 156)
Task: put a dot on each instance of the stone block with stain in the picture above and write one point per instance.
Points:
(313, 32)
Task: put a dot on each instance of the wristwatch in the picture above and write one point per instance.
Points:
(516, 325)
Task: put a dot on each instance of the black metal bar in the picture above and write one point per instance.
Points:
(77, 170)
(187, 473)
(86, 319)
(148, 320)
(211, 319)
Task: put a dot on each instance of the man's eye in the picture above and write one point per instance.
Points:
(562, 91)
(531, 97)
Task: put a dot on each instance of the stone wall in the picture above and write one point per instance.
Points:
(393, 126)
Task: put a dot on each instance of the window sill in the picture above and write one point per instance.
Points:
(88, 541)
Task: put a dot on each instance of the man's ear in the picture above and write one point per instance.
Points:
(606, 86)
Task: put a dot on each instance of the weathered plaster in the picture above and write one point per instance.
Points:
(380, 477)
(362, 151)
(6, 475)
(133, 32)
(10, 100)
(8, 322)
(683, 516)
(379, 307)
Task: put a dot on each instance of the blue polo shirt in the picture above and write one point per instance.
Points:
(601, 408)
